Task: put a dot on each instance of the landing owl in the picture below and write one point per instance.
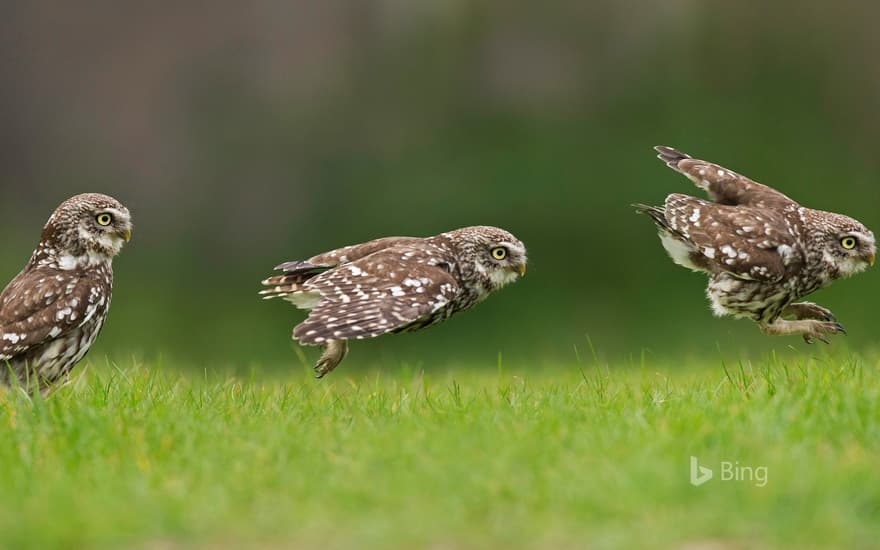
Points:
(394, 284)
(761, 250)
(51, 312)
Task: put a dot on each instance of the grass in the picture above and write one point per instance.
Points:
(597, 457)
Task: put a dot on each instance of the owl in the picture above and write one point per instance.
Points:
(394, 284)
(51, 312)
(761, 250)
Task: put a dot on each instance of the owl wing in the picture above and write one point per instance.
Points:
(746, 242)
(42, 304)
(723, 186)
(390, 290)
(295, 273)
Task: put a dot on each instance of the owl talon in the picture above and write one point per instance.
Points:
(821, 331)
(809, 329)
(322, 367)
(827, 316)
(334, 352)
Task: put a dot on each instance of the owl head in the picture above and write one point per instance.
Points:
(848, 247)
(497, 255)
(88, 224)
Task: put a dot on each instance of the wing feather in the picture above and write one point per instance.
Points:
(386, 291)
(745, 242)
(297, 272)
(722, 185)
(42, 304)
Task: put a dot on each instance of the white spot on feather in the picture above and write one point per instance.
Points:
(66, 262)
(786, 252)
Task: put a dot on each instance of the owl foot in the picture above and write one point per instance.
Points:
(809, 310)
(807, 328)
(334, 352)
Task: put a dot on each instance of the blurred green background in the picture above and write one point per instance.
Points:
(245, 134)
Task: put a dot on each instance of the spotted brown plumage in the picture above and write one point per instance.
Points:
(51, 312)
(762, 250)
(394, 284)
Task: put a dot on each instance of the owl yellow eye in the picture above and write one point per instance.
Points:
(499, 253)
(848, 243)
(104, 219)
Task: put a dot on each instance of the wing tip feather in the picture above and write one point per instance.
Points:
(670, 156)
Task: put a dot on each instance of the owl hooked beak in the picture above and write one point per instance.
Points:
(521, 269)
(871, 260)
(126, 234)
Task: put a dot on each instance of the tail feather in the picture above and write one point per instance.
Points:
(281, 286)
(291, 281)
(657, 213)
(278, 292)
(294, 293)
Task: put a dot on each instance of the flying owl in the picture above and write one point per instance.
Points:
(51, 312)
(394, 284)
(761, 250)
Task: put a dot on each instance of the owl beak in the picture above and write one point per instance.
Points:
(871, 260)
(521, 269)
(125, 234)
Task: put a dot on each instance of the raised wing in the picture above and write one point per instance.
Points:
(723, 186)
(390, 290)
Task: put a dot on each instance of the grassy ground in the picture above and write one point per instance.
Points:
(138, 457)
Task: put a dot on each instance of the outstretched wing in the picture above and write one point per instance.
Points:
(745, 242)
(42, 304)
(391, 290)
(297, 272)
(723, 186)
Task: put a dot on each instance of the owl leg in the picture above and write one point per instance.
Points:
(809, 310)
(334, 352)
(808, 328)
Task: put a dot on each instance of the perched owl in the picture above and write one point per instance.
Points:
(394, 284)
(51, 312)
(761, 250)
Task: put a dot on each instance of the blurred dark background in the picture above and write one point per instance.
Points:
(242, 134)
